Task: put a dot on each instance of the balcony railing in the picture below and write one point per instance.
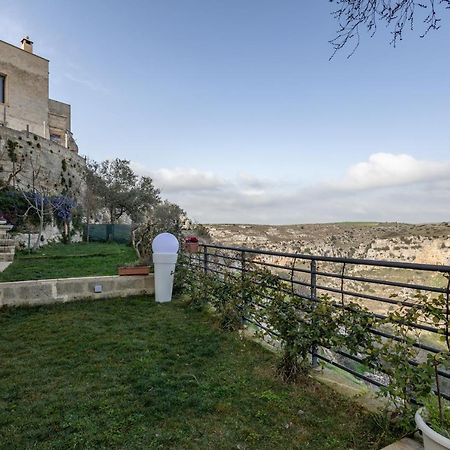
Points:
(377, 285)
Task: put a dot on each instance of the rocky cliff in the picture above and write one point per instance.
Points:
(26, 158)
(425, 243)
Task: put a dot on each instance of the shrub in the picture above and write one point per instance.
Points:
(302, 324)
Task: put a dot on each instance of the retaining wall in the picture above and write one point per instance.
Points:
(60, 170)
(40, 292)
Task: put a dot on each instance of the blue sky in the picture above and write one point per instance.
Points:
(236, 111)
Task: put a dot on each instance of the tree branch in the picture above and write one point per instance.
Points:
(351, 15)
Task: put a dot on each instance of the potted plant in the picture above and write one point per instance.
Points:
(139, 268)
(433, 420)
(420, 381)
(191, 244)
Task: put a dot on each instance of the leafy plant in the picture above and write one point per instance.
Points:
(227, 297)
(188, 281)
(438, 417)
(412, 377)
(13, 208)
(302, 324)
(437, 312)
(11, 147)
(63, 207)
(114, 185)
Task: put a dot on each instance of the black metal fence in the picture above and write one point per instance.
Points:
(108, 232)
(378, 285)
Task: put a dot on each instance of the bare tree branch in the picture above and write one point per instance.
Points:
(351, 15)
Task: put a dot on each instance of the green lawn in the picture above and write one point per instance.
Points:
(128, 373)
(71, 260)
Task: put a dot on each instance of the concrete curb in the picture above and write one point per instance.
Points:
(61, 290)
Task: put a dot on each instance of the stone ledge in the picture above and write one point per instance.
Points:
(60, 290)
(404, 444)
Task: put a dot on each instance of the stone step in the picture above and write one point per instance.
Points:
(6, 256)
(4, 265)
(7, 249)
(7, 242)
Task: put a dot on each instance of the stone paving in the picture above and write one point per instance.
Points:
(405, 444)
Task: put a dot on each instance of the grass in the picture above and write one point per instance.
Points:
(71, 260)
(128, 373)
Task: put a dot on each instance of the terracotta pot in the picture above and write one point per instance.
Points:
(191, 247)
(137, 270)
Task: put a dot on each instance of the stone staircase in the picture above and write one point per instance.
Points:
(7, 246)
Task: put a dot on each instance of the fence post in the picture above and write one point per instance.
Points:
(205, 259)
(314, 359)
(243, 286)
(205, 272)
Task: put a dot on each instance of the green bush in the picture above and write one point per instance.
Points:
(13, 208)
(302, 324)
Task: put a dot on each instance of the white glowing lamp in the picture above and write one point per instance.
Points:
(165, 243)
(165, 253)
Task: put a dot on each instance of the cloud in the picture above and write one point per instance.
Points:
(187, 179)
(85, 81)
(181, 179)
(387, 169)
(386, 187)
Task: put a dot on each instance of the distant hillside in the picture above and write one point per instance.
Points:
(425, 243)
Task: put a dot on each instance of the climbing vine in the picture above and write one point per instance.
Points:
(300, 325)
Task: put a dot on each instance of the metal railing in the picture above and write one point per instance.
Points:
(377, 285)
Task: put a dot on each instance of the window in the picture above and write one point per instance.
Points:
(55, 138)
(2, 88)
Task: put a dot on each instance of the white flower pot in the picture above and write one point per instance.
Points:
(431, 439)
(164, 264)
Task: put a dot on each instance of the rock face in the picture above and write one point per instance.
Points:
(425, 243)
(26, 157)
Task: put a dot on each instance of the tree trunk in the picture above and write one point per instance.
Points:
(88, 224)
(41, 227)
(66, 232)
(88, 220)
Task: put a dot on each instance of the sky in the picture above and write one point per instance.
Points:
(235, 110)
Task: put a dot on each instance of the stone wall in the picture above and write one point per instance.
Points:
(26, 102)
(40, 292)
(59, 167)
(59, 123)
(59, 116)
(52, 234)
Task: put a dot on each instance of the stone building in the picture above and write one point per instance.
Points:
(24, 96)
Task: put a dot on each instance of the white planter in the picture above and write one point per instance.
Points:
(431, 439)
(164, 264)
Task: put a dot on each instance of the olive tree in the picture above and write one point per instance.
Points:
(164, 217)
(112, 184)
